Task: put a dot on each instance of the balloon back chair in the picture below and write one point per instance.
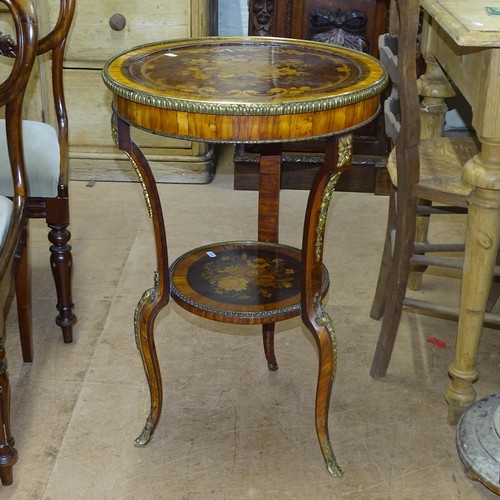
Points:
(46, 157)
(13, 209)
(425, 180)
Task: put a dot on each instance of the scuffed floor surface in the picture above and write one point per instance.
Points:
(230, 429)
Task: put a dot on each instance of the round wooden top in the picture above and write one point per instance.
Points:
(243, 77)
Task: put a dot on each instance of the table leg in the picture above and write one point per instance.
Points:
(154, 299)
(481, 247)
(268, 222)
(314, 317)
(269, 192)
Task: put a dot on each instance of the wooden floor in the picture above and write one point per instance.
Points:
(230, 428)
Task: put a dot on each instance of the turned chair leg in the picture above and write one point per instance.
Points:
(23, 297)
(61, 263)
(421, 232)
(396, 289)
(379, 299)
(8, 454)
(268, 339)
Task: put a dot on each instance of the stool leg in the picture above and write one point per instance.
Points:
(384, 275)
(481, 247)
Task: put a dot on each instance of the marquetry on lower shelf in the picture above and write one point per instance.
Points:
(246, 282)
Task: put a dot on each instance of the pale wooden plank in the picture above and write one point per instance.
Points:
(466, 21)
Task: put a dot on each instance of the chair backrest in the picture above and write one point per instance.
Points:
(12, 90)
(398, 53)
(54, 45)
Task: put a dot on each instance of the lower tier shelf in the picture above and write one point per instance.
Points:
(245, 282)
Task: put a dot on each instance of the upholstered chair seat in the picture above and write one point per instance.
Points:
(5, 215)
(41, 156)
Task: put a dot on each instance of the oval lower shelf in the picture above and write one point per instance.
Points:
(241, 282)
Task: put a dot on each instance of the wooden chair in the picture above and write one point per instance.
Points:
(13, 210)
(46, 156)
(423, 172)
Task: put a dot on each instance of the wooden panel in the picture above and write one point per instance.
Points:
(196, 169)
(93, 154)
(93, 41)
(462, 62)
(468, 23)
(89, 110)
(292, 18)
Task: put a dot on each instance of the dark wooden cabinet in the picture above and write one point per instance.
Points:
(352, 23)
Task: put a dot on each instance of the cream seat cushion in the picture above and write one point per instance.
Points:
(5, 216)
(41, 156)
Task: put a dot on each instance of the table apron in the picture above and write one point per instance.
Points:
(476, 73)
(246, 128)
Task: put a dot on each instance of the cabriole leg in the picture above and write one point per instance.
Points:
(156, 298)
(144, 318)
(324, 335)
(337, 159)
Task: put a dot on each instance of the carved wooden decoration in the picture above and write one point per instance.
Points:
(262, 17)
(344, 28)
(357, 22)
(7, 46)
(350, 23)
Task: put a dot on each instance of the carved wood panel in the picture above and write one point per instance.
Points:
(310, 18)
(352, 23)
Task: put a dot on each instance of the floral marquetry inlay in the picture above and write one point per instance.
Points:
(245, 275)
(187, 75)
(243, 76)
(242, 278)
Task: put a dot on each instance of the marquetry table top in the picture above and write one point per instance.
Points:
(244, 77)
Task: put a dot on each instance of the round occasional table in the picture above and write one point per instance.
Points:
(245, 90)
